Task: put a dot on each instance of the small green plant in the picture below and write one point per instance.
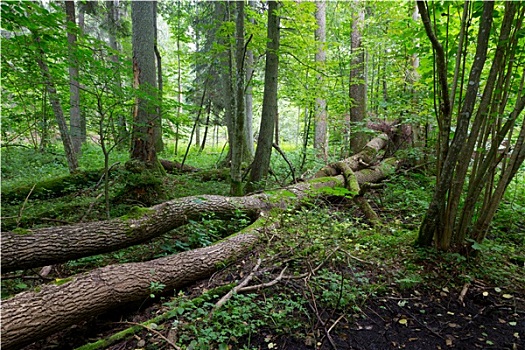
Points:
(155, 287)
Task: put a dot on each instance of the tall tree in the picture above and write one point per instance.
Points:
(145, 114)
(248, 124)
(357, 79)
(114, 23)
(238, 133)
(75, 124)
(261, 162)
(466, 197)
(320, 139)
(71, 156)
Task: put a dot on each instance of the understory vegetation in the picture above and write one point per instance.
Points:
(324, 275)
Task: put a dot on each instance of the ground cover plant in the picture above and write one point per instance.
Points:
(337, 281)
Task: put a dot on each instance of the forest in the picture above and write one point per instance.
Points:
(262, 174)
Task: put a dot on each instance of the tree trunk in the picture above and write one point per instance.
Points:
(71, 156)
(30, 316)
(145, 118)
(320, 139)
(261, 162)
(248, 124)
(238, 133)
(33, 248)
(113, 24)
(357, 80)
(74, 90)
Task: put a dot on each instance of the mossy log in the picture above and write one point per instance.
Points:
(361, 160)
(32, 315)
(173, 167)
(39, 247)
(56, 187)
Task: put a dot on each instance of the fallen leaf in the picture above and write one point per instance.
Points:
(448, 341)
(512, 323)
(453, 325)
(403, 321)
(507, 296)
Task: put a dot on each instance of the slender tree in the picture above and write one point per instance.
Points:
(261, 162)
(74, 89)
(467, 196)
(357, 79)
(320, 138)
(238, 133)
(145, 115)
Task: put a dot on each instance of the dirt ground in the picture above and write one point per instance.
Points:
(485, 319)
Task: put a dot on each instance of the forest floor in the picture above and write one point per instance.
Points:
(414, 318)
(362, 290)
(345, 285)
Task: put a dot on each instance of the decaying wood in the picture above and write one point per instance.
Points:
(359, 161)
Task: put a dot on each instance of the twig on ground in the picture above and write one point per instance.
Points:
(463, 293)
(263, 285)
(153, 331)
(318, 316)
(336, 322)
(228, 296)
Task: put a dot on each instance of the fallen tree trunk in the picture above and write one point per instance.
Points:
(52, 188)
(30, 316)
(39, 247)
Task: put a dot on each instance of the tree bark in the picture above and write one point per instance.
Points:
(238, 126)
(261, 162)
(30, 316)
(71, 156)
(39, 247)
(145, 116)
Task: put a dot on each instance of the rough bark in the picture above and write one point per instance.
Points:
(145, 116)
(30, 316)
(39, 247)
(360, 160)
(261, 162)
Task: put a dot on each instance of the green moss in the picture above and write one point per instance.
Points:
(137, 213)
(22, 231)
